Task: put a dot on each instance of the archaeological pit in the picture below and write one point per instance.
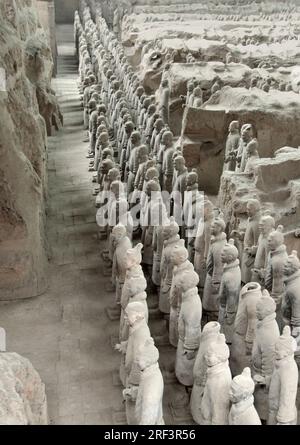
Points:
(149, 212)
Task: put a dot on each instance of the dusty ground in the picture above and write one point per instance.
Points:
(65, 332)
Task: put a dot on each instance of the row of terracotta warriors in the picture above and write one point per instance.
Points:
(174, 274)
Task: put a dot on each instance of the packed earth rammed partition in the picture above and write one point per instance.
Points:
(149, 212)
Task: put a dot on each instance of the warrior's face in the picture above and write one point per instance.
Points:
(247, 133)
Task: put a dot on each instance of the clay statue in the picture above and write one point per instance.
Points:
(138, 333)
(117, 207)
(160, 129)
(122, 244)
(291, 300)
(189, 92)
(149, 172)
(251, 156)
(153, 215)
(155, 137)
(136, 99)
(250, 239)
(197, 98)
(263, 352)
(244, 327)
(167, 164)
(231, 148)
(148, 408)
(135, 290)
(143, 113)
(284, 382)
(125, 146)
(160, 155)
(93, 124)
(247, 135)
(215, 403)
(142, 158)
(157, 239)
(193, 207)
(242, 411)
(101, 144)
(274, 277)
(179, 259)
(189, 327)
(229, 289)
(132, 164)
(266, 226)
(150, 119)
(171, 239)
(214, 269)
(202, 241)
(179, 186)
(208, 336)
(133, 269)
(164, 101)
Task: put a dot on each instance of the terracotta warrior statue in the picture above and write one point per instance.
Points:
(125, 146)
(146, 171)
(242, 411)
(148, 407)
(136, 99)
(215, 403)
(157, 245)
(232, 144)
(134, 289)
(142, 159)
(122, 244)
(160, 155)
(143, 113)
(244, 327)
(150, 119)
(158, 145)
(179, 259)
(251, 156)
(189, 327)
(284, 382)
(151, 174)
(138, 333)
(197, 97)
(202, 240)
(208, 336)
(133, 269)
(250, 239)
(153, 215)
(291, 300)
(171, 239)
(214, 267)
(263, 352)
(247, 135)
(164, 101)
(167, 164)
(131, 166)
(266, 226)
(102, 198)
(156, 134)
(102, 143)
(193, 207)
(117, 212)
(179, 185)
(229, 289)
(274, 278)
